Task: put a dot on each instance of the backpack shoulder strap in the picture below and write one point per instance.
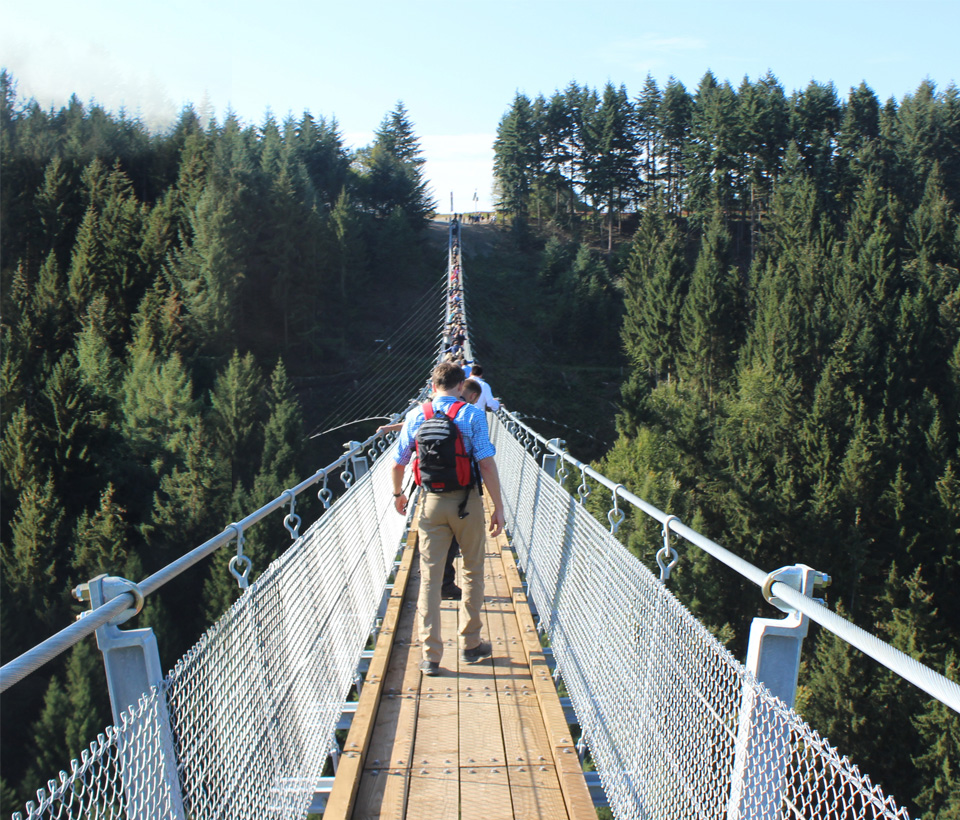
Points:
(427, 410)
(454, 408)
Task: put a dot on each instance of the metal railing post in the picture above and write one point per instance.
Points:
(763, 740)
(132, 665)
(551, 459)
(359, 465)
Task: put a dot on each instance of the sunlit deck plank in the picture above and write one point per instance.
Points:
(479, 740)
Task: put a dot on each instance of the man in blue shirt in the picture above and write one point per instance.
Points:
(440, 521)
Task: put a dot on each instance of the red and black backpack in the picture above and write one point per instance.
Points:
(441, 463)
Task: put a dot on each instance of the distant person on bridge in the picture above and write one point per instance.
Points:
(445, 514)
(487, 401)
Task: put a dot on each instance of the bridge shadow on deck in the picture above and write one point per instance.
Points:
(484, 741)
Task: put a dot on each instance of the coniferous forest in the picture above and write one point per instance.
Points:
(765, 284)
(787, 267)
(174, 308)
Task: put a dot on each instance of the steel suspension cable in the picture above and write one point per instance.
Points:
(405, 340)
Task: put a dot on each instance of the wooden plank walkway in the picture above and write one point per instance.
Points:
(484, 741)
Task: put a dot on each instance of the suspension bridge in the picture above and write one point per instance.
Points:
(595, 665)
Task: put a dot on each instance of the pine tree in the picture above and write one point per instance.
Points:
(395, 178)
(555, 126)
(100, 539)
(282, 437)
(349, 251)
(33, 561)
(649, 134)
(319, 146)
(53, 320)
(675, 121)
(48, 736)
(207, 272)
(709, 318)
(859, 133)
(19, 452)
(98, 367)
(106, 258)
(714, 147)
(57, 203)
(655, 283)
(73, 714)
(938, 762)
(921, 142)
(612, 143)
(72, 426)
(236, 415)
(763, 118)
(513, 154)
(815, 121)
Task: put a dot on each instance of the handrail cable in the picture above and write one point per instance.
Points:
(920, 675)
(91, 620)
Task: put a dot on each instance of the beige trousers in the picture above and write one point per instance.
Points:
(438, 524)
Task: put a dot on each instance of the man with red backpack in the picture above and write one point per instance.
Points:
(454, 457)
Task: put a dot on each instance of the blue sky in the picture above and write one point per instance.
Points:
(456, 65)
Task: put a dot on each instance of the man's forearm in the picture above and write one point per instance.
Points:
(491, 481)
(397, 474)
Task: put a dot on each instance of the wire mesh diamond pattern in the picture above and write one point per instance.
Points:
(676, 725)
(252, 706)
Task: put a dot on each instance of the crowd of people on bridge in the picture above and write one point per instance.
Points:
(452, 515)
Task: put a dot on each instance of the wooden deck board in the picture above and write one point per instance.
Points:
(395, 729)
(434, 793)
(478, 741)
(485, 793)
(382, 793)
(536, 793)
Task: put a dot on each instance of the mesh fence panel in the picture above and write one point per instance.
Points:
(253, 704)
(675, 724)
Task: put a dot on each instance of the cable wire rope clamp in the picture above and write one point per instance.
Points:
(240, 560)
(799, 577)
(292, 521)
(667, 557)
(616, 515)
(111, 587)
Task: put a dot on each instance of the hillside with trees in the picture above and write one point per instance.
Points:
(789, 266)
(742, 303)
(167, 302)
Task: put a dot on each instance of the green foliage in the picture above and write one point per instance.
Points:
(514, 151)
(793, 384)
(147, 283)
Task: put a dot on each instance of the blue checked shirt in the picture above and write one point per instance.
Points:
(471, 421)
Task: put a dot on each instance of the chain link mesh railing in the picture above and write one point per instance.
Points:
(253, 705)
(676, 725)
